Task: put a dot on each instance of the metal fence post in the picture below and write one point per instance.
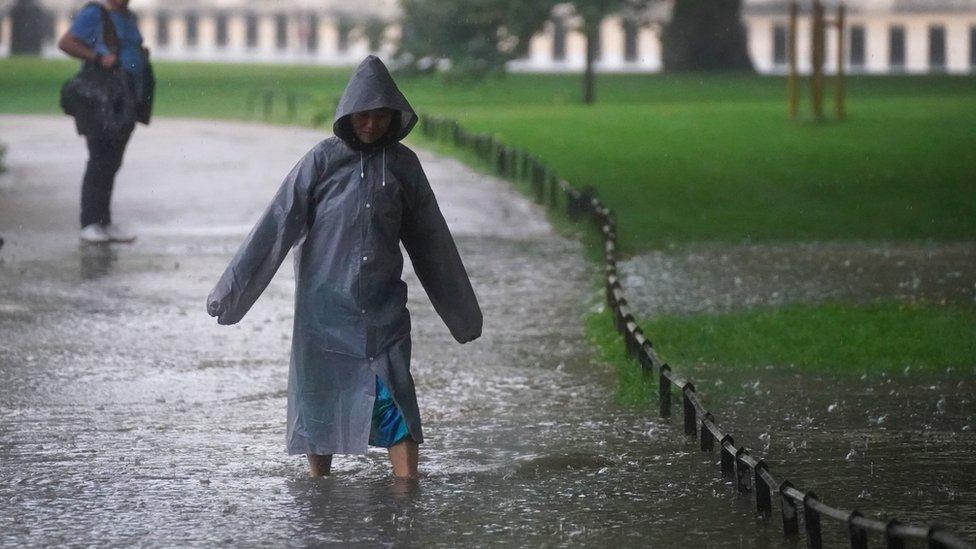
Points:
(791, 520)
(858, 536)
(811, 522)
(727, 457)
(664, 391)
(691, 422)
(743, 472)
(764, 500)
(707, 438)
(553, 188)
(646, 362)
(268, 103)
(892, 541)
(291, 105)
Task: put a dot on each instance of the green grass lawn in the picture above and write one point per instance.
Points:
(842, 340)
(680, 158)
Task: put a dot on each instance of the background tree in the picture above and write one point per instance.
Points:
(705, 35)
(373, 29)
(476, 36)
(591, 14)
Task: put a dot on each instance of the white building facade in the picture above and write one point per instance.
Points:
(881, 36)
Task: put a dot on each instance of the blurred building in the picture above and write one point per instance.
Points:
(329, 32)
(881, 36)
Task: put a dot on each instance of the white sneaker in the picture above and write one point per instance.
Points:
(118, 234)
(94, 234)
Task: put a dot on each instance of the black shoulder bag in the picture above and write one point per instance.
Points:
(101, 100)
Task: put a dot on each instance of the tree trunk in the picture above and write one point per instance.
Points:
(705, 35)
(591, 32)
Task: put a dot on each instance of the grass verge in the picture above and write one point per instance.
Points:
(837, 338)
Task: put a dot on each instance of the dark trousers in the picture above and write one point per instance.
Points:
(104, 160)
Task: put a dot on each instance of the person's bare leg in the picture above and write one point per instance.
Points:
(319, 466)
(403, 458)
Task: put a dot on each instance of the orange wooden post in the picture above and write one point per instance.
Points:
(792, 82)
(817, 58)
(839, 86)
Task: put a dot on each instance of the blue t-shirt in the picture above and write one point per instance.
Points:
(87, 27)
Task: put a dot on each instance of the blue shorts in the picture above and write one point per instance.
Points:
(388, 427)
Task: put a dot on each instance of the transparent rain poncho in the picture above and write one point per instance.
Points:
(348, 206)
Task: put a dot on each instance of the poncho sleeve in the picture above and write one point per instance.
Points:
(254, 265)
(436, 261)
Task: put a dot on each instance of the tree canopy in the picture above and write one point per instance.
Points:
(475, 36)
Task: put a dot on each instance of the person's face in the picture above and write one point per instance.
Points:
(119, 4)
(371, 125)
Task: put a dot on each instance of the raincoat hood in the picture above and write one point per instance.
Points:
(372, 87)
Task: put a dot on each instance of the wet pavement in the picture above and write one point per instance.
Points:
(130, 418)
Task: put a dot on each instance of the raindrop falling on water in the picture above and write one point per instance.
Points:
(940, 406)
(831, 408)
(850, 455)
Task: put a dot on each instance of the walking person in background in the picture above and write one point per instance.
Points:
(349, 203)
(105, 34)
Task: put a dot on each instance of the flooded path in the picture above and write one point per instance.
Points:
(712, 278)
(130, 418)
(901, 444)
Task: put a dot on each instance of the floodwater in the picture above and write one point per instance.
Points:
(712, 278)
(891, 445)
(130, 418)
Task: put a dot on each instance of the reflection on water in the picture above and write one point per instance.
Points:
(96, 260)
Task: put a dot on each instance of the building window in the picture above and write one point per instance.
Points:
(312, 32)
(251, 30)
(937, 47)
(281, 31)
(857, 46)
(779, 44)
(221, 22)
(162, 28)
(192, 32)
(896, 47)
(630, 40)
(558, 40)
(972, 47)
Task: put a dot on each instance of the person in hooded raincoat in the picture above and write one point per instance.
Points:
(347, 205)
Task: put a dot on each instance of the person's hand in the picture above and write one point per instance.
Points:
(109, 60)
(214, 308)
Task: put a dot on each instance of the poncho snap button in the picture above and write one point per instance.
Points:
(367, 204)
(365, 258)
